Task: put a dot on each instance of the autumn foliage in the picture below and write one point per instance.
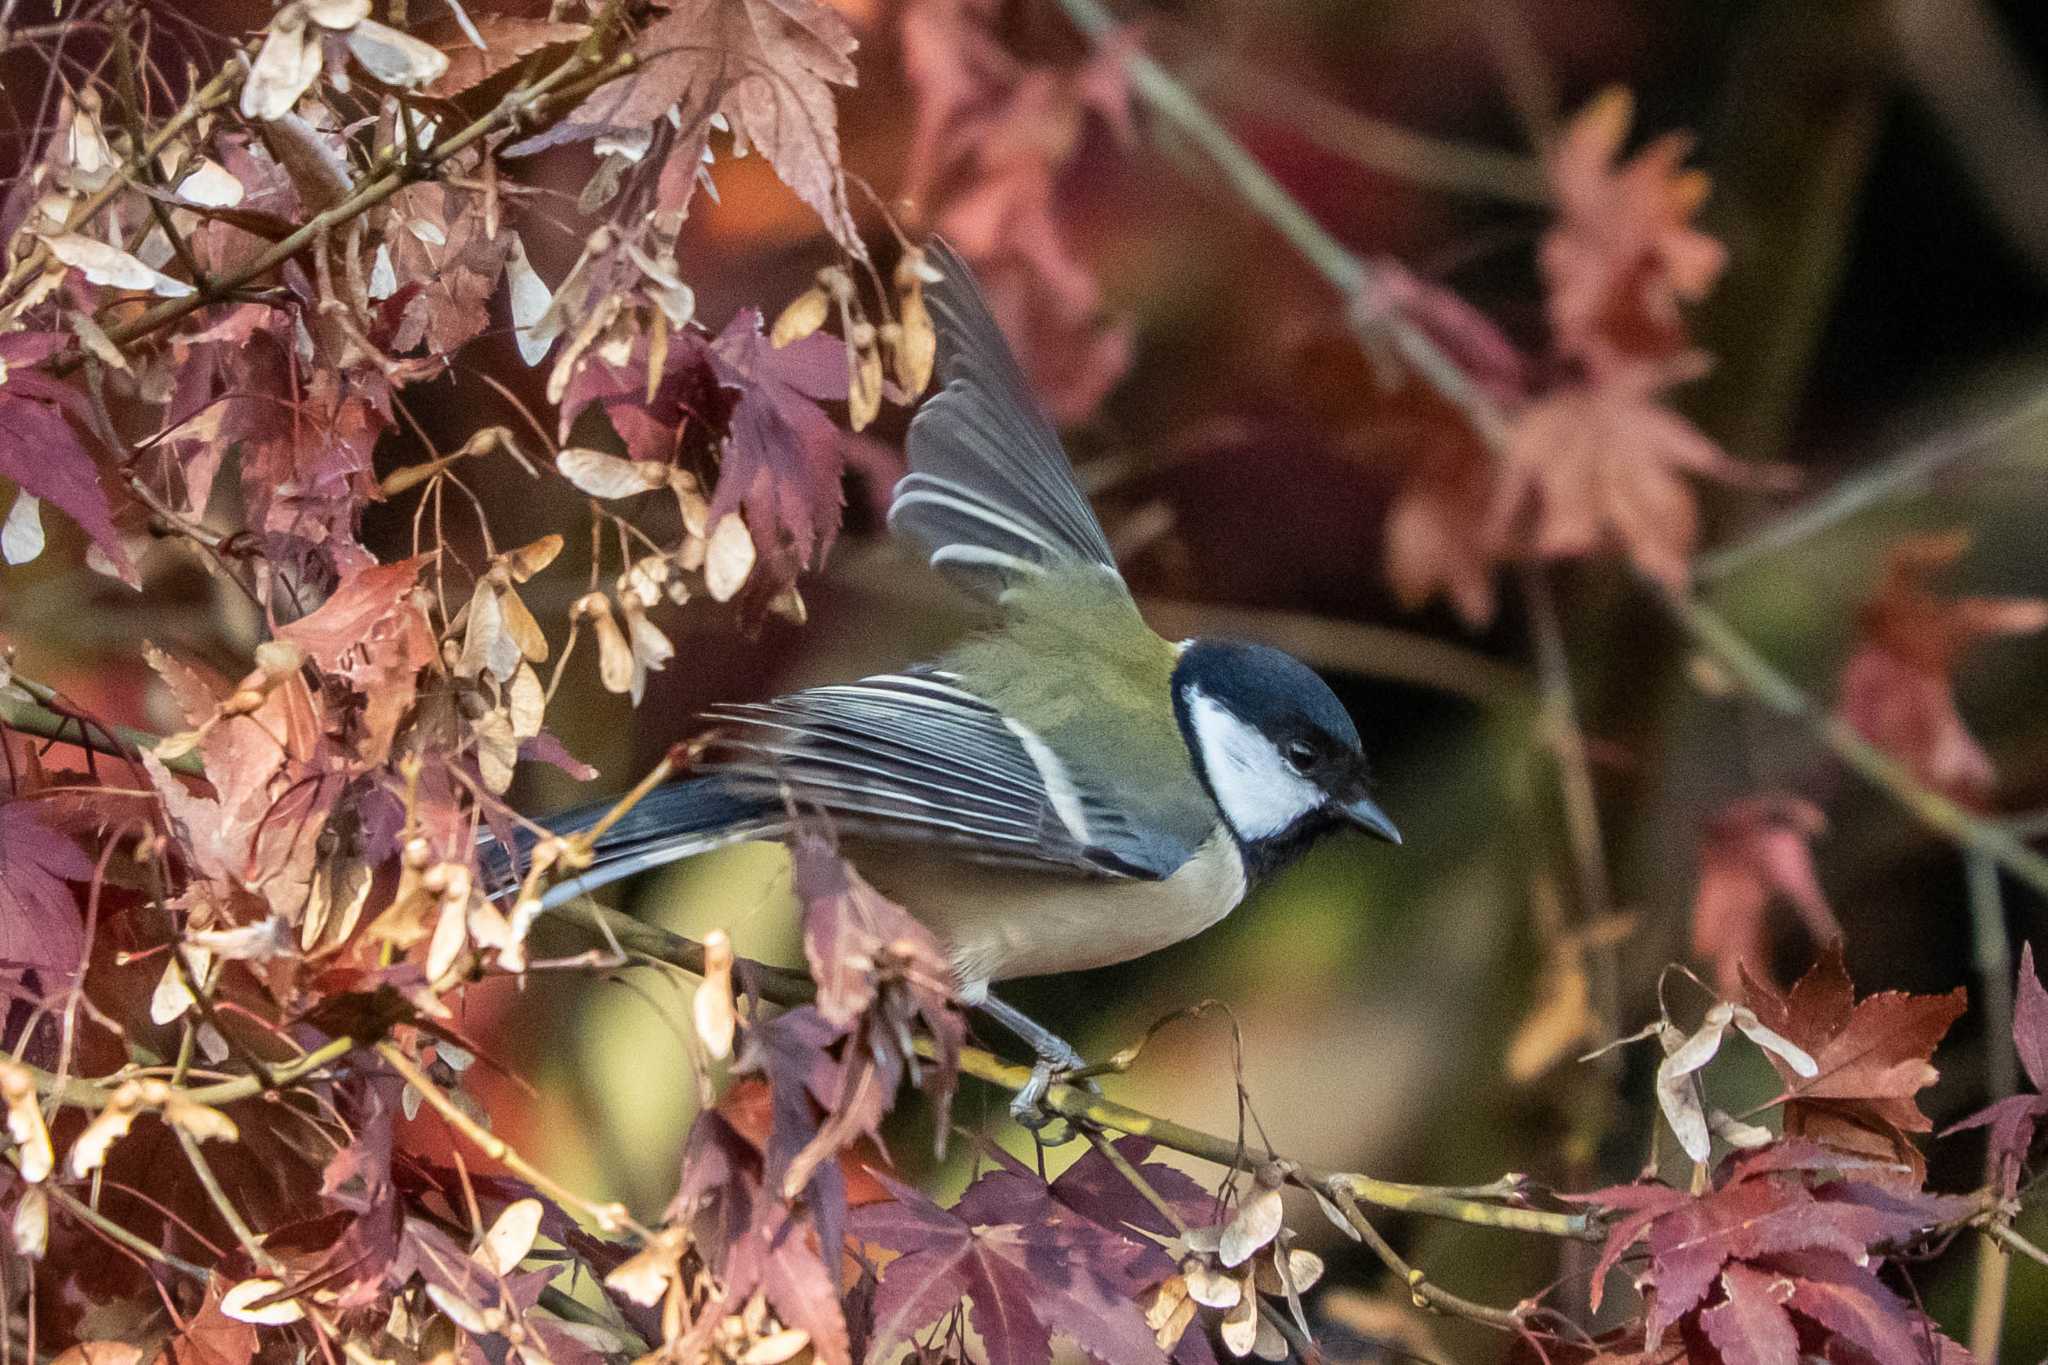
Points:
(271, 315)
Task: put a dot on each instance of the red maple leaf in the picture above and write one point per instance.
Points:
(1623, 254)
(1898, 690)
(993, 137)
(1028, 1267)
(783, 459)
(1873, 1057)
(40, 448)
(1753, 851)
(1773, 1232)
(1604, 463)
(768, 66)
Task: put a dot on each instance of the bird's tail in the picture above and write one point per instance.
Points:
(672, 822)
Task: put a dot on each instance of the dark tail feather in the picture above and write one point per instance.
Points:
(670, 823)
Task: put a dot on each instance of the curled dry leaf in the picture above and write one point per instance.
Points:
(25, 1127)
(510, 1237)
(609, 476)
(1256, 1223)
(1898, 688)
(30, 1227)
(255, 1301)
(1753, 851)
(712, 1008)
(112, 267)
(728, 558)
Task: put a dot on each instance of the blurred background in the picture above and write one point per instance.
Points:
(1882, 325)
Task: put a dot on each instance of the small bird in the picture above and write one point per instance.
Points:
(1063, 790)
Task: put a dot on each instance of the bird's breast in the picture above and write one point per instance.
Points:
(1001, 922)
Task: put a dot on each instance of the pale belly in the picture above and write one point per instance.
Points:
(999, 923)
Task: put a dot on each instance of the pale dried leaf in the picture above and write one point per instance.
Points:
(107, 265)
(21, 536)
(1257, 1222)
(210, 185)
(511, 1237)
(285, 67)
(242, 1303)
(609, 476)
(728, 558)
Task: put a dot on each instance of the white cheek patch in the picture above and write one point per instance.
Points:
(1258, 790)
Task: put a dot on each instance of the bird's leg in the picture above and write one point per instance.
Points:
(1055, 1056)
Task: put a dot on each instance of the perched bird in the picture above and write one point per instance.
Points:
(1063, 790)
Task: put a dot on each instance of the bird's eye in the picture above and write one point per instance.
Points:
(1301, 755)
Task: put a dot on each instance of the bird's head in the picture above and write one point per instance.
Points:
(1275, 748)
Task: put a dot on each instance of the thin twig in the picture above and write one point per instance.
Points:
(1424, 1293)
(2000, 1231)
(1908, 471)
(609, 1217)
(1994, 972)
(1780, 694)
(44, 713)
(1357, 281)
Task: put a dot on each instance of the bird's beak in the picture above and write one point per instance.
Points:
(1361, 811)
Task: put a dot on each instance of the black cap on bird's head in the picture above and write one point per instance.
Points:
(1274, 747)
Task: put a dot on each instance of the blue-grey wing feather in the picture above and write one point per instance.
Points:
(909, 757)
(990, 493)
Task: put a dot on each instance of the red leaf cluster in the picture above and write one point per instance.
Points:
(1596, 459)
(1773, 1262)
(1754, 851)
(1874, 1057)
(992, 138)
(1897, 689)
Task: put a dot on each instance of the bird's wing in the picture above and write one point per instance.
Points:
(913, 758)
(990, 493)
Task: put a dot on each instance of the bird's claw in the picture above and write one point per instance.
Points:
(1027, 1106)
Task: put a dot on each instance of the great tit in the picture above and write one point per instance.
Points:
(1063, 790)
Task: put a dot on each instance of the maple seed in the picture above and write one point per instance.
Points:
(801, 317)
(712, 1009)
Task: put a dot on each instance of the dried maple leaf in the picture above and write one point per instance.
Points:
(1028, 1267)
(1603, 463)
(782, 459)
(508, 40)
(767, 66)
(1623, 254)
(436, 241)
(1752, 851)
(40, 448)
(1898, 690)
(1872, 1055)
(373, 634)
